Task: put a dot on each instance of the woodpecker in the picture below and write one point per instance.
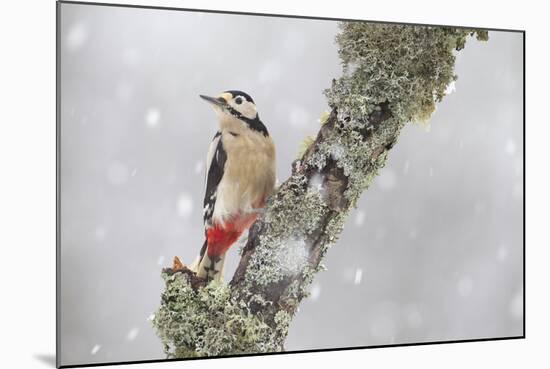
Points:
(240, 176)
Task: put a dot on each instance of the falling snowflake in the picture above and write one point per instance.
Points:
(76, 36)
(199, 166)
(358, 276)
(510, 147)
(315, 292)
(406, 167)
(351, 67)
(185, 205)
(95, 349)
(293, 257)
(160, 260)
(516, 305)
(152, 117)
(451, 87)
(316, 183)
(132, 334)
(387, 179)
(359, 218)
(337, 152)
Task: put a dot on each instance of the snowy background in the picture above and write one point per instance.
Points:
(433, 251)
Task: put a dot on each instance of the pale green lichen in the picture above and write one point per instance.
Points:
(324, 117)
(283, 249)
(282, 320)
(209, 322)
(400, 69)
(403, 70)
(406, 67)
(304, 145)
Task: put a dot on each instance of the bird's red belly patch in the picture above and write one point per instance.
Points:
(221, 237)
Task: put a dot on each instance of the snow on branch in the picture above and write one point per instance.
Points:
(392, 75)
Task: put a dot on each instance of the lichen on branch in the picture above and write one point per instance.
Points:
(392, 75)
(208, 321)
(408, 66)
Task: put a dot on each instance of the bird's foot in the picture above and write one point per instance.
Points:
(178, 267)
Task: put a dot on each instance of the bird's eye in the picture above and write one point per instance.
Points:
(238, 100)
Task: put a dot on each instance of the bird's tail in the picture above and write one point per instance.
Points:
(208, 267)
(195, 264)
(211, 267)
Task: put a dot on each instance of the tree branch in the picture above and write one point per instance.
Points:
(393, 74)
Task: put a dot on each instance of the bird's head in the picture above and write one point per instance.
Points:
(234, 103)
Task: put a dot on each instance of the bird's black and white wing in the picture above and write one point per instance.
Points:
(215, 163)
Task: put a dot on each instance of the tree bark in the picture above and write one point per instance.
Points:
(334, 183)
(393, 74)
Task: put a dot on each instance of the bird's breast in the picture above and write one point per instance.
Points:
(249, 175)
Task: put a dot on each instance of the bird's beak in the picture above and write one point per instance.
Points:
(217, 101)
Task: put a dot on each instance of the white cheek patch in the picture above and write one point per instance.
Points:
(246, 108)
(249, 110)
